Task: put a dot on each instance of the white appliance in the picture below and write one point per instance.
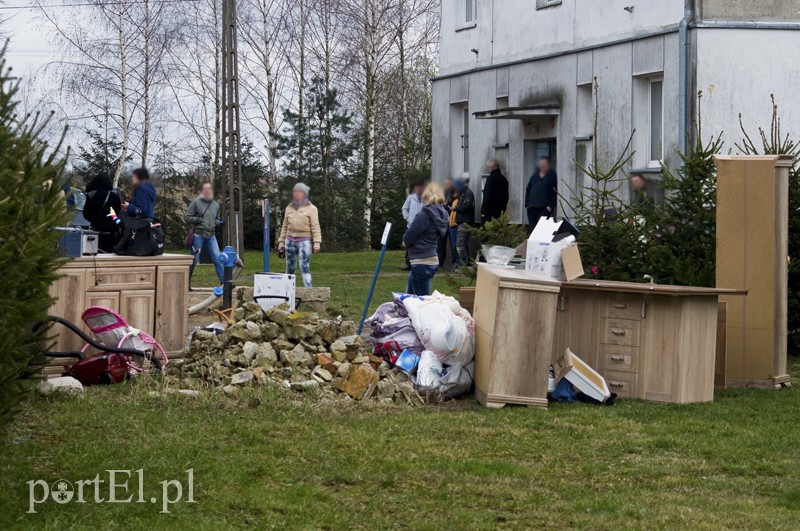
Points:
(274, 289)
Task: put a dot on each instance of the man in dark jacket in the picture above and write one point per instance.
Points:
(495, 193)
(203, 216)
(541, 193)
(101, 197)
(464, 216)
(143, 203)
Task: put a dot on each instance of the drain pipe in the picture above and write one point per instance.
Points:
(683, 76)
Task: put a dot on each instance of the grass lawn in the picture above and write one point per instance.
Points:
(260, 460)
(347, 274)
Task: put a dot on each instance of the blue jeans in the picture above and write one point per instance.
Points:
(303, 249)
(454, 245)
(210, 243)
(419, 280)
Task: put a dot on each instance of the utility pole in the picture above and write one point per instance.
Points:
(231, 141)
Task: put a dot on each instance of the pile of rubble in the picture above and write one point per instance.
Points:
(297, 351)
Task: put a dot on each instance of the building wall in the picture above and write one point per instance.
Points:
(737, 71)
(761, 10)
(511, 30)
(527, 57)
(620, 70)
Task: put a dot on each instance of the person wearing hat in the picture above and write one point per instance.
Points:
(300, 233)
(411, 208)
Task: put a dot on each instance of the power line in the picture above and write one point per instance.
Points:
(97, 4)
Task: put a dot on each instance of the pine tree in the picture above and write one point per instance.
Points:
(98, 156)
(327, 164)
(612, 235)
(683, 245)
(31, 204)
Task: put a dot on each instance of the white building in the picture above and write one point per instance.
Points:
(515, 81)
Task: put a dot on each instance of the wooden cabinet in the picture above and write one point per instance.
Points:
(651, 342)
(752, 249)
(515, 323)
(151, 293)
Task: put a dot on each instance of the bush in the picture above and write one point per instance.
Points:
(31, 204)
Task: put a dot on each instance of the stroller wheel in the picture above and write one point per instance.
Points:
(105, 378)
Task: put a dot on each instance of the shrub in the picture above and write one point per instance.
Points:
(31, 204)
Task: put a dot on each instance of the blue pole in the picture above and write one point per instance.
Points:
(265, 215)
(384, 242)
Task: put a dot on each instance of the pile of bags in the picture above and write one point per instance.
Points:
(431, 338)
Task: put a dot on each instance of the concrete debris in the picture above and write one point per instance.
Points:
(295, 352)
(63, 385)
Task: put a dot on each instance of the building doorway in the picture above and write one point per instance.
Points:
(535, 150)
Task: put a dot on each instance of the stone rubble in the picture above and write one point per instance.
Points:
(298, 352)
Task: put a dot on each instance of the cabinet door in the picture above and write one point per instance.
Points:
(660, 349)
(68, 291)
(172, 306)
(578, 329)
(139, 309)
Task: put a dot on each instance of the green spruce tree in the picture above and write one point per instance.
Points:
(683, 243)
(31, 204)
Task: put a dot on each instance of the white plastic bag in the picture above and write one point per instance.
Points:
(429, 371)
(444, 327)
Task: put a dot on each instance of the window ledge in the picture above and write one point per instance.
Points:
(651, 170)
(467, 26)
(544, 4)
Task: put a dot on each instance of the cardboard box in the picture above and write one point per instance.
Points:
(584, 378)
(558, 260)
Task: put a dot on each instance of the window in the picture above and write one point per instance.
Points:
(541, 4)
(465, 140)
(469, 11)
(655, 122)
(585, 108)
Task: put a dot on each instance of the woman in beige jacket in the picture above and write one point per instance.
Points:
(300, 233)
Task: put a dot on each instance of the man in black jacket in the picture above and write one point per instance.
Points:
(495, 193)
(541, 193)
(101, 197)
(464, 216)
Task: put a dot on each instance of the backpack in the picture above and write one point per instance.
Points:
(141, 237)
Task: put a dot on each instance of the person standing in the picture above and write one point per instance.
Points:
(411, 208)
(203, 216)
(101, 197)
(143, 203)
(448, 203)
(641, 199)
(495, 193)
(542, 193)
(300, 233)
(422, 239)
(464, 216)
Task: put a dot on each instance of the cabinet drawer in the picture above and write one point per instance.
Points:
(620, 306)
(622, 383)
(619, 358)
(121, 279)
(621, 332)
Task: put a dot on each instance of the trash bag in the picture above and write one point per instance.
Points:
(392, 332)
(443, 327)
(440, 381)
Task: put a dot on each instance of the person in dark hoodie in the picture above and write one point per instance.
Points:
(422, 239)
(495, 193)
(464, 216)
(101, 197)
(143, 203)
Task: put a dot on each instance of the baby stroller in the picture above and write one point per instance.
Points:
(124, 350)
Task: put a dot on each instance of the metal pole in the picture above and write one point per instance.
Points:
(384, 241)
(231, 141)
(265, 216)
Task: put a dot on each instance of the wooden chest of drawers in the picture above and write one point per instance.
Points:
(651, 342)
(151, 293)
